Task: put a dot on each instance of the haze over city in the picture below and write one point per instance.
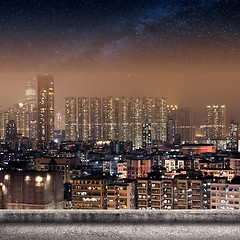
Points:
(126, 106)
(186, 51)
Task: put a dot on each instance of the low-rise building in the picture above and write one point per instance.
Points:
(64, 165)
(89, 192)
(149, 194)
(32, 189)
(122, 169)
(138, 168)
(225, 195)
(121, 195)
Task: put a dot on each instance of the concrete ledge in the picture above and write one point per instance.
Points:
(121, 217)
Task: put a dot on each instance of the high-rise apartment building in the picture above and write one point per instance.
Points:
(172, 122)
(216, 122)
(70, 119)
(185, 124)
(147, 110)
(4, 119)
(146, 135)
(125, 131)
(11, 130)
(96, 119)
(83, 119)
(136, 122)
(59, 120)
(31, 108)
(22, 119)
(45, 104)
(160, 120)
(170, 131)
(110, 117)
(234, 136)
(121, 119)
(30, 94)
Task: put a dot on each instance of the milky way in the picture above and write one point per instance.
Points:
(57, 31)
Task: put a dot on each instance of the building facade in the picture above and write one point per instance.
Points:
(45, 105)
(70, 119)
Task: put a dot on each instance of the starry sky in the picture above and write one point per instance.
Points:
(186, 51)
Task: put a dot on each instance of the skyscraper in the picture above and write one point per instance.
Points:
(30, 94)
(146, 135)
(136, 122)
(125, 133)
(83, 119)
(11, 131)
(172, 122)
(216, 122)
(31, 109)
(185, 124)
(160, 120)
(233, 136)
(59, 120)
(96, 119)
(147, 110)
(45, 104)
(70, 118)
(110, 113)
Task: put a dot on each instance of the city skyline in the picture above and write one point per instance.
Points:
(30, 88)
(187, 52)
(118, 106)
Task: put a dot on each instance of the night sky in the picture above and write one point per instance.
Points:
(186, 51)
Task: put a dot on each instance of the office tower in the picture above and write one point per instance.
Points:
(30, 94)
(121, 195)
(110, 117)
(11, 130)
(160, 120)
(33, 190)
(70, 119)
(185, 124)
(96, 119)
(45, 104)
(83, 119)
(146, 135)
(136, 122)
(124, 125)
(216, 122)
(233, 136)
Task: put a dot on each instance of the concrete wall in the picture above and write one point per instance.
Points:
(123, 217)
